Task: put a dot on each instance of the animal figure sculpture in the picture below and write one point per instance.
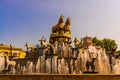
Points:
(43, 42)
(10, 63)
(91, 57)
(76, 43)
(31, 48)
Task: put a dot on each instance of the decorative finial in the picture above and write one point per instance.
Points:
(61, 20)
(68, 21)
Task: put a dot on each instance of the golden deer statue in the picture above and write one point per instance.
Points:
(10, 63)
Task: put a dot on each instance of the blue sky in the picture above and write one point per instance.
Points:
(24, 21)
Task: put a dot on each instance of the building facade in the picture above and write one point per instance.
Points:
(11, 51)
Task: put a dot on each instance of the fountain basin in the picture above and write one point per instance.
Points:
(60, 77)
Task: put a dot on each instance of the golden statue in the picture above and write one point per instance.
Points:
(76, 42)
(61, 32)
(59, 24)
(67, 24)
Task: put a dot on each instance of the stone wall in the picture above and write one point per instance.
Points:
(60, 77)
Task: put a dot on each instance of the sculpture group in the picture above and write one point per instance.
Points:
(58, 56)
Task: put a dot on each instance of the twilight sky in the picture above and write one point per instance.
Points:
(24, 21)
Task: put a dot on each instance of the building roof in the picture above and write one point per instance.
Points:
(4, 46)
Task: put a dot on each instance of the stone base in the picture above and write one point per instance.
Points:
(60, 77)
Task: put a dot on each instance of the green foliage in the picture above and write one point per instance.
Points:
(118, 52)
(97, 42)
(108, 44)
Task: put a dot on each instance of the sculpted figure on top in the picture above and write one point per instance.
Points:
(61, 32)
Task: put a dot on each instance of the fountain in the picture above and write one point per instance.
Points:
(2, 63)
(59, 57)
(78, 61)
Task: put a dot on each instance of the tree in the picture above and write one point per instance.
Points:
(106, 43)
(118, 52)
(109, 44)
(97, 42)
